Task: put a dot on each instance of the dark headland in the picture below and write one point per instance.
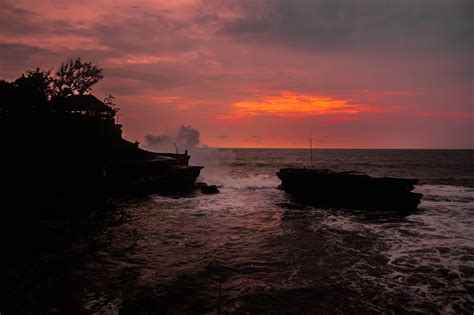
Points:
(60, 142)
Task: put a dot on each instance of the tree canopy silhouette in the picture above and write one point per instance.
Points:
(34, 88)
(30, 92)
(109, 101)
(37, 91)
(76, 77)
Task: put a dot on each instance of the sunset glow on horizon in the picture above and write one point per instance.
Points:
(359, 74)
(291, 105)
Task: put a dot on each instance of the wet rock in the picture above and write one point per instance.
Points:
(210, 189)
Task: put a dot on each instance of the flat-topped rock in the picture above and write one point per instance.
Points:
(351, 190)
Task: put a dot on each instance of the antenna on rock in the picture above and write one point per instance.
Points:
(176, 147)
(311, 148)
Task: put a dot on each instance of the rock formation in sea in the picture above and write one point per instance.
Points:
(350, 190)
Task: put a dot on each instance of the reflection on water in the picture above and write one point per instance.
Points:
(269, 254)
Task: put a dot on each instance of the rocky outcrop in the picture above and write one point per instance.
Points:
(207, 189)
(54, 155)
(351, 190)
(211, 189)
(151, 177)
(61, 142)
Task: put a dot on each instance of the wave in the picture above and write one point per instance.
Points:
(446, 193)
(241, 182)
(252, 182)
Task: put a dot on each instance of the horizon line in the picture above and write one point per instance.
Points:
(320, 148)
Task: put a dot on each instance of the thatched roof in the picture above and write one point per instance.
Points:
(85, 103)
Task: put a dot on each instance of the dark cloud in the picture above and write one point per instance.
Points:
(337, 24)
(155, 75)
(143, 33)
(186, 138)
(13, 56)
(18, 21)
(67, 27)
(17, 52)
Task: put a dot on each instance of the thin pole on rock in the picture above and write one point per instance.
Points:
(311, 148)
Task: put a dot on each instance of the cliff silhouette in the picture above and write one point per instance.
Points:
(61, 142)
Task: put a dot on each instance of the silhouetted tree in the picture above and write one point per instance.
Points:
(30, 92)
(42, 81)
(38, 83)
(34, 88)
(110, 102)
(75, 77)
(38, 91)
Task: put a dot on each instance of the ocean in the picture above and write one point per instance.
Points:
(251, 249)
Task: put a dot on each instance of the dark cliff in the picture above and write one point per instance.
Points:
(75, 149)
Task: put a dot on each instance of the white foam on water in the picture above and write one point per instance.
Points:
(429, 252)
(249, 182)
(225, 178)
(438, 241)
(454, 193)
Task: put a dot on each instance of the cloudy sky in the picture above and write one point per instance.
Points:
(267, 73)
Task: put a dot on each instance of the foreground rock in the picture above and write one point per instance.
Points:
(207, 189)
(350, 190)
(211, 189)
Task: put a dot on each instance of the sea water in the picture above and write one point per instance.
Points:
(251, 249)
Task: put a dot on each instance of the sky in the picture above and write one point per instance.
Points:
(267, 73)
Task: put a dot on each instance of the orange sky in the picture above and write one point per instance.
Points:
(397, 74)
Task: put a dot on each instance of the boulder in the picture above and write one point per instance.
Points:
(209, 189)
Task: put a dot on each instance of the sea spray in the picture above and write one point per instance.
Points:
(246, 182)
